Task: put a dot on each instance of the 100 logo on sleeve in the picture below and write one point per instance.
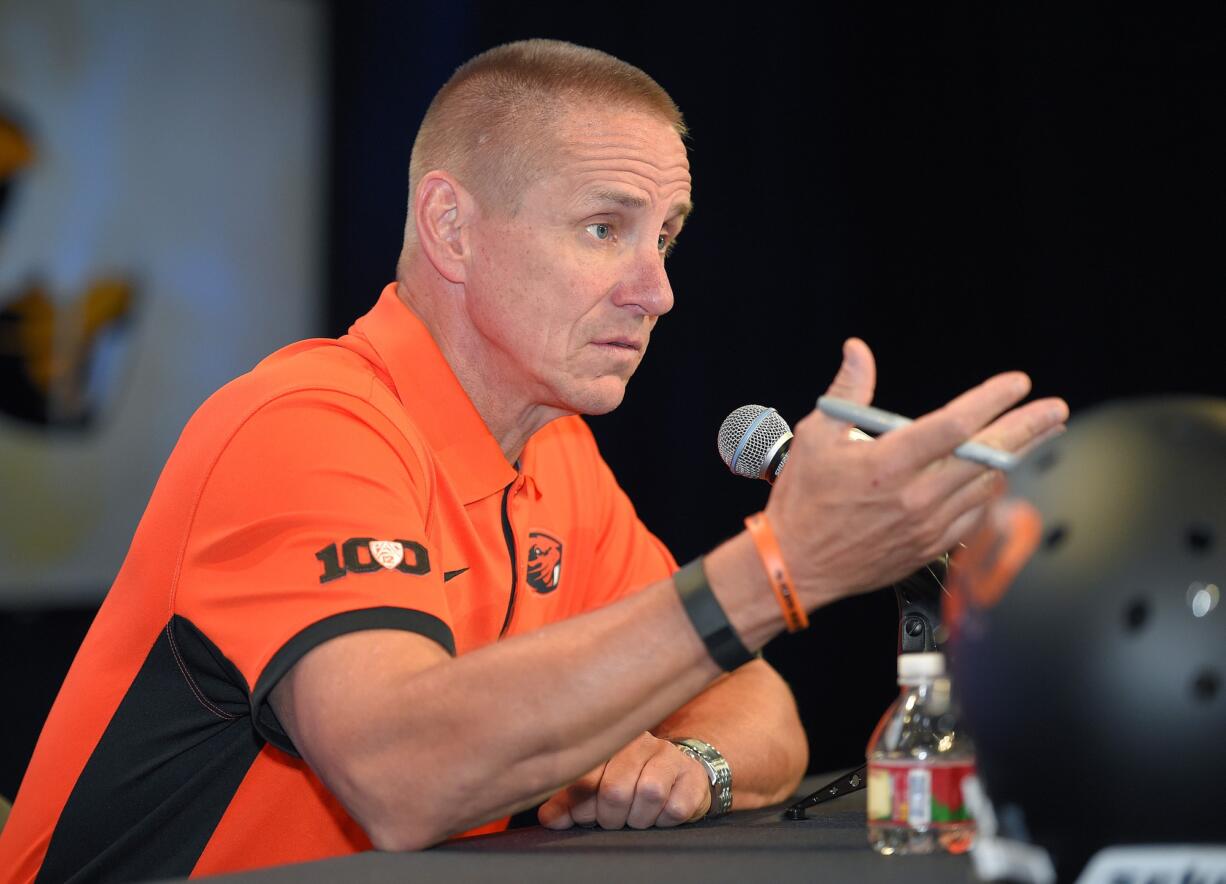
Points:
(364, 555)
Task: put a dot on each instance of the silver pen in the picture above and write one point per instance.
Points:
(879, 421)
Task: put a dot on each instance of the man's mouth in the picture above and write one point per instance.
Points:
(622, 343)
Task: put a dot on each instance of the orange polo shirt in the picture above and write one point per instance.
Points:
(341, 485)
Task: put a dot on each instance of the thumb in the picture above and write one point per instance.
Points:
(555, 813)
(704, 804)
(857, 377)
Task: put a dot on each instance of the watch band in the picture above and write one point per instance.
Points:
(708, 617)
(718, 772)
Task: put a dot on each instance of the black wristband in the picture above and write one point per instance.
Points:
(708, 617)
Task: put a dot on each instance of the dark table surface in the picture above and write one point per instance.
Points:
(756, 845)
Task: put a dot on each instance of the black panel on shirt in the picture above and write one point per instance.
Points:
(318, 633)
(175, 752)
(164, 771)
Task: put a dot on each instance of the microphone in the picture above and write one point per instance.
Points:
(753, 442)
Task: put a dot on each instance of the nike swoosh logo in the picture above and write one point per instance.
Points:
(447, 575)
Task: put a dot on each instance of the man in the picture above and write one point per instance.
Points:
(387, 592)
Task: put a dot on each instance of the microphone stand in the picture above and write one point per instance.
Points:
(919, 626)
(919, 608)
(919, 596)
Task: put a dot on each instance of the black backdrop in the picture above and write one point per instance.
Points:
(970, 190)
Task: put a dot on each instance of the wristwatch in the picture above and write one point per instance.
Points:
(718, 772)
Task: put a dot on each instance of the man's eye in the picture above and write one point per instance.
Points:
(600, 231)
(665, 245)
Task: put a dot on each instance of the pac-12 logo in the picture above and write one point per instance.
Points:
(544, 562)
(363, 555)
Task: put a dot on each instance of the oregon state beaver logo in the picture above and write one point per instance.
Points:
(544, 562)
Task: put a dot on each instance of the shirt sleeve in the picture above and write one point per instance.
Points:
(313, 522)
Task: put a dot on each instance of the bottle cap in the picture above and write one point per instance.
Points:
(925, 664)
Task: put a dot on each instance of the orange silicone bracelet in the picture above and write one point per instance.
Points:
(776, 572)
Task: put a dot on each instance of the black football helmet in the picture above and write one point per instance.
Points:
(1088, 647)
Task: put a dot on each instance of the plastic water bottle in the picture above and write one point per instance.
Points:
(917, 759)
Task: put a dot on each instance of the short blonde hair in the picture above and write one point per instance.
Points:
(492, 123)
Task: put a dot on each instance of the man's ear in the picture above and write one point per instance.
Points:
(442, 213)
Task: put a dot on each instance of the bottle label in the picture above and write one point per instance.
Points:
(917, 794)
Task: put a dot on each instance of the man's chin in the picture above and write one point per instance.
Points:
(599, 397)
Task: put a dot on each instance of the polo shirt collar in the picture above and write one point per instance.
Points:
(431, 394)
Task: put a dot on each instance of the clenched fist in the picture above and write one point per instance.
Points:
(649, 782)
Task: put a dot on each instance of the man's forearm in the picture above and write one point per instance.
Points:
(750, 717)
(426, 749)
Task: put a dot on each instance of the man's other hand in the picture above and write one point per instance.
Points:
(649, 782)
(851, 517)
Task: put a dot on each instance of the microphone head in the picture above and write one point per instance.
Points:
(750, 437)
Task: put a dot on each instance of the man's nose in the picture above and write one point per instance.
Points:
(647, 286)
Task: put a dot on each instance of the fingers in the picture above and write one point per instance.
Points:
(555, 813)
(959, 489)
(650, 782)
(938, 433)
(1023, 427)
(949, 494)
(1019, 430)
(661, 796)
(620, 782)
(962, 509)
(575, 805)
(1043, 437)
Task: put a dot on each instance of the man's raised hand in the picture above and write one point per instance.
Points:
(852, 517)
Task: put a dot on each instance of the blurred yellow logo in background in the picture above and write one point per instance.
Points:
(47, 345)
